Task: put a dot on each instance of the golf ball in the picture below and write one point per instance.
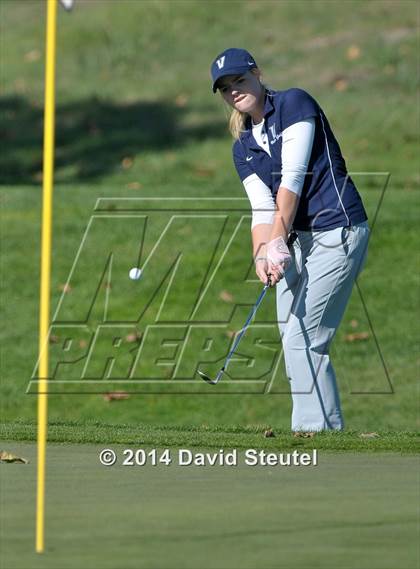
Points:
(134, 274)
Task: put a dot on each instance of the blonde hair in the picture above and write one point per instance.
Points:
(237, 123)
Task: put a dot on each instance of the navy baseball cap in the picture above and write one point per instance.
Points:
(232, 61)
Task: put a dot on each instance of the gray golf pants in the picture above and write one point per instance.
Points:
(311, 300)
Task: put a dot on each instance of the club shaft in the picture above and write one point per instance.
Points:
(250, 317)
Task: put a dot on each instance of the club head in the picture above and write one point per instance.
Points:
(207, 378)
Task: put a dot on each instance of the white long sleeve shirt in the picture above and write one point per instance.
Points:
(297, 141)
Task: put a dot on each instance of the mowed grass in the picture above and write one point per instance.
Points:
(136, 118)
(222, 436)
(352, 511)
(377, 374)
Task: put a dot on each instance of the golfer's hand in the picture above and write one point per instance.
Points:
(276, 272)
(278, 258)
(261, 268)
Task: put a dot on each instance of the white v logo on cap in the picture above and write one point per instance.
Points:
(221, 62)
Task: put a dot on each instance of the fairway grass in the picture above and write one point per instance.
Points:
(352, 511)
(121, 136)
(223, 436)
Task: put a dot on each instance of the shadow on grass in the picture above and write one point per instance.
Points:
(93, 136)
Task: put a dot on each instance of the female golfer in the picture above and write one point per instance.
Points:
(309, 227)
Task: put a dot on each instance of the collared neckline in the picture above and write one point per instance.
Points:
(268, 107)
(268, 103)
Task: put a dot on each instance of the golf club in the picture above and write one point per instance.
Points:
(238, 339)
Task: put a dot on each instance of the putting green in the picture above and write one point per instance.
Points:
(349, 512)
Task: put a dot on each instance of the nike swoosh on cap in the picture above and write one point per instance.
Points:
(248, 158)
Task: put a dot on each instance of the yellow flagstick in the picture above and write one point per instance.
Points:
(47, 195)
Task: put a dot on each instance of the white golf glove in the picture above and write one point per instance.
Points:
(278, 256)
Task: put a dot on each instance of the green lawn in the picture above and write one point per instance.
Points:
(127, 126)
(352, 511)
(374, 397)
(222, 436)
